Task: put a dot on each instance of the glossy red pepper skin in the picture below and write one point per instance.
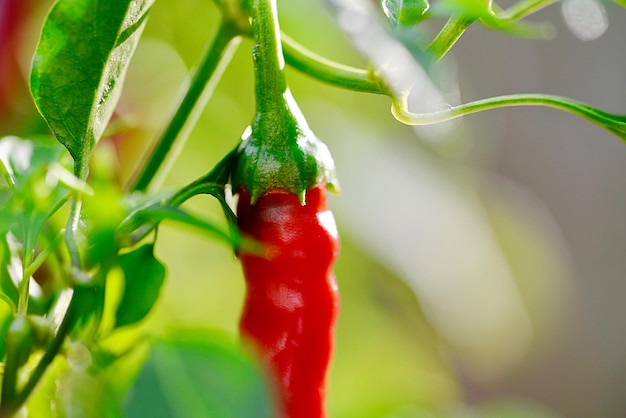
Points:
(292, 299)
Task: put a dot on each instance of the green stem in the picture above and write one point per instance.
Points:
(201, 86)
(18, 341)
(24, 285)
(7, 176)
(611, 122)
(211, 183)
(269, 64)
(523, 9)
(137, 226)
(43, 255)
(449, 34)
(12, 405)
(71, 231)
(323, 69)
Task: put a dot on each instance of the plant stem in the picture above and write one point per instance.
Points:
(24, 284)
(212, 183)
(201, 86)
(611, 122)
(43, 255)
(523, 9)
(7, 176)
(449, 34)
(323, 69)
(12, 405)
(269, 64)
(71, 231)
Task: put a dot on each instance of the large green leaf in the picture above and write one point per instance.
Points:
(198, 374)
(79, 68)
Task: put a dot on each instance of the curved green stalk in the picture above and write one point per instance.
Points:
(200, 88)
(611, 122)
(210, 183)
(323, 69)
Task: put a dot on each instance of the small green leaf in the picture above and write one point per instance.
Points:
(8, 289)
(21, 158)
(476, 9)
(213, 183)
(33, 171)
(404, 12)
(198, 374)
(143, 278)
(148, 217)
(6, 318)
(79, 67)
(34, 192)
(103, 211)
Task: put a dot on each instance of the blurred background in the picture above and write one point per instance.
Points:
(482, 270)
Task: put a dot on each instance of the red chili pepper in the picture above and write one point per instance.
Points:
(292, 299)
(12, 18)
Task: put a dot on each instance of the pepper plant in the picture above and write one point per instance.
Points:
(78, 271)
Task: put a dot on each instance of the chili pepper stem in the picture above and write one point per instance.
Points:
(269, 64)
(279, 150)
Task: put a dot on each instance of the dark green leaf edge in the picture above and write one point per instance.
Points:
(144, 276)
(79, 67)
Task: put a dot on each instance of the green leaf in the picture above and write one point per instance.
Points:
(198, 374)
(404, 12)
(8, 289)
(87, 381)
(212, 183)
(6, 318)
(37, 186)
(143, 278)
(21, 158)
(103, 211)
(34, 174)
(79, 67)
(144, 220)
(476, 9)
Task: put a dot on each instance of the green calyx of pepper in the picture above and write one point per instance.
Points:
(283, 153)
(279, 150)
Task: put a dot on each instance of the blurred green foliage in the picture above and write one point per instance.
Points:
(397, 355)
